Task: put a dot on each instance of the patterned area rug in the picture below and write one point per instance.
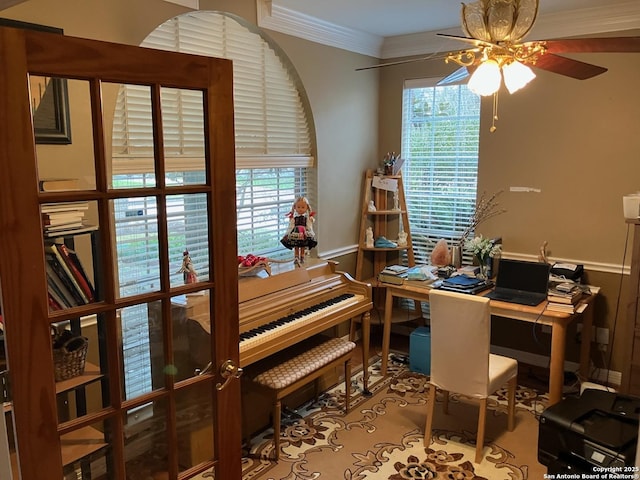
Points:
(382, 436)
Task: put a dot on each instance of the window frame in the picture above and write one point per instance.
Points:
(441, 182)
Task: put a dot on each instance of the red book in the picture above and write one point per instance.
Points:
(53, 304)
(74, 265)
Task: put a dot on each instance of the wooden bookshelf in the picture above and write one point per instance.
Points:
(80, 443)
(91, 374)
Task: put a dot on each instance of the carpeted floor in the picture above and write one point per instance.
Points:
(381, 437)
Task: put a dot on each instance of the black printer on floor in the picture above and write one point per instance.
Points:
(598, 430)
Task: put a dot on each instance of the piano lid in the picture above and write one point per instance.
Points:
(284, 275)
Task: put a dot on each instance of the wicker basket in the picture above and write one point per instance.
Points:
(69, 357)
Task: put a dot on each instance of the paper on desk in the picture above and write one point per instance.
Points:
(422, 273)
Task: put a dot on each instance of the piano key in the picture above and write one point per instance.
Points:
(292, 322)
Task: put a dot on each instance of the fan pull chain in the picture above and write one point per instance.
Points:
(495, 113)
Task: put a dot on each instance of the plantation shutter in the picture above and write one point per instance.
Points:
(271, 120)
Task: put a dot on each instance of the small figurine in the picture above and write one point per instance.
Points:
(402, 238)
(369, 237)
(300, 234)
(542, 256)
(372, 206)
(188, 270)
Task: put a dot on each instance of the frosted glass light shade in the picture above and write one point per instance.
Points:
(516, 76)
(486, 79)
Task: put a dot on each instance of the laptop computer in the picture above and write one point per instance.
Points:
(525, 283)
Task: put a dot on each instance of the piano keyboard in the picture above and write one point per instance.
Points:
(291, 322)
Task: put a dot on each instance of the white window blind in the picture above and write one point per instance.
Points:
(271, 117)
(274, 160)
(440, 137)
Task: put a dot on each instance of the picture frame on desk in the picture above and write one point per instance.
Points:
(49, 97)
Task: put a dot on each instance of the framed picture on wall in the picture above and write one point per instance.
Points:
(49, 98)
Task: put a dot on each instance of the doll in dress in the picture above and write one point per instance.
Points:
(300, 234)
(188, 270)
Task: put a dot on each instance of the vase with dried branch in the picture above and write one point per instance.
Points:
(486, 207)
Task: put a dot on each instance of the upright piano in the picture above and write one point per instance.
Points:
(280, 310)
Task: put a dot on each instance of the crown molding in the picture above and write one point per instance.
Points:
(283, 20)
(4, 4)
(192, 4)
(586, 21)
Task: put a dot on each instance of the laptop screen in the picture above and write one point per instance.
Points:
(521, 275)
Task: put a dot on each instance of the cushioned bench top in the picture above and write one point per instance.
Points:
(293, 369)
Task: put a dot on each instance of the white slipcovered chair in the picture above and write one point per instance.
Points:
(461, 361)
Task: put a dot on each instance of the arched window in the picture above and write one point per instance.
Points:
(274, 160)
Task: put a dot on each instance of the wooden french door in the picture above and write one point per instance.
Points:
(145, 404)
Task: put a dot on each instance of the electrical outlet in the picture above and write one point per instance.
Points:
(602, 336)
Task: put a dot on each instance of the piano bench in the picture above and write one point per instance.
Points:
(301, 369)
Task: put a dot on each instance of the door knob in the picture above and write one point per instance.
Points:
(228, 370)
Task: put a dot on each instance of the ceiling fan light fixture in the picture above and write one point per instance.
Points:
(498, 21)
(486, 79)
(516, 75)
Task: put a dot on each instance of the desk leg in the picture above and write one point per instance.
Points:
(386, 331)
(585, 342)
(556, 369)
(366, 330)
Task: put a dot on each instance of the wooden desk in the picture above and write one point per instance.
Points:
(558, 322)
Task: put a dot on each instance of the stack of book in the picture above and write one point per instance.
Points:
(563, 296)
(64, 218)
(394, 274)
(59, 184)
(67, 282)
(465, 284)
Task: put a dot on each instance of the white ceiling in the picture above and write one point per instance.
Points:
(396, 28)
(400, 17)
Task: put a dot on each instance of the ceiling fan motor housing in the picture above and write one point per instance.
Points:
(497, 21)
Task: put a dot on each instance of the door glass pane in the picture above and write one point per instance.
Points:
(85, 452)
(191, 334)
(191, 341)
(145, 441)
(133, 151)
(142, 348)
(183, 130)
(61, 112)
(81, 384)
(136, 227)
(194, 417)
(70, 245)
(188, 228)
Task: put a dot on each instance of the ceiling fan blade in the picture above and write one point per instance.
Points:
(568, 66)
(401, 62)
(457, 77)
(588, 45)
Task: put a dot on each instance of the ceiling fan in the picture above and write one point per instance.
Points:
(496, 53)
